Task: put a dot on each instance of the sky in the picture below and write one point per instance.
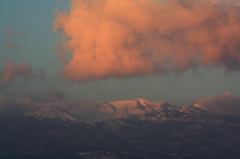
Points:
(176, 51)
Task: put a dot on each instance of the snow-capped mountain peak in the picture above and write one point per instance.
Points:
(140, 108)
(50, 112)
(134, 103)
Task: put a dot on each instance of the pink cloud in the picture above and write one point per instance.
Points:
(112, 38)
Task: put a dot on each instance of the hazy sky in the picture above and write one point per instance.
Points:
(173, 51)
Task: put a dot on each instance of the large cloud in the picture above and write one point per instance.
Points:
(122, 38)
(224, 103)
(12, 71)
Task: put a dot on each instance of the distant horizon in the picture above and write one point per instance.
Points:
(217, 103)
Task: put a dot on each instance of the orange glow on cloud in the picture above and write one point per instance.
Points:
(123, 38)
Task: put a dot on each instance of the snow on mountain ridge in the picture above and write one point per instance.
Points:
(50, 112)
(136, 103)
(134, 108)
(140, 109)
(143, 109)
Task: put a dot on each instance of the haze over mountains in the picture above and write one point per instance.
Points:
(136, 128)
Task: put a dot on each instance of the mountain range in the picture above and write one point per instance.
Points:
(136, 109)
(136, 128)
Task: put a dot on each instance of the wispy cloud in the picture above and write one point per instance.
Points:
(53, 95)
(10, 32)
(11, 45)
(15, 106)
(42, 74)
(112, 38)
(56, 95)
(224, 103)
(13, 71)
